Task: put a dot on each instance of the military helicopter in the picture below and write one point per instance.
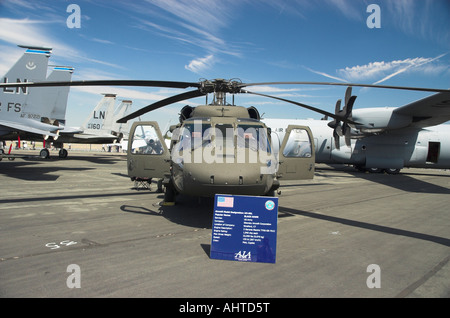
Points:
(217, 147)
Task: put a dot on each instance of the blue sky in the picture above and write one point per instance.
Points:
(253, 40)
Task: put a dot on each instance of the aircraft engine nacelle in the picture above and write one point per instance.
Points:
(374, 120)
(253, 113)
(186, 112)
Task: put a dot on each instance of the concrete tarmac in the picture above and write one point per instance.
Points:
(344, 234)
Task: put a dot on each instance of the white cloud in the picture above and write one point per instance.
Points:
(201, 64)
(121, 92)
(8, 57)
(326, 75)
(33, 33)
(206, 14)
(387, 70)
(382, 71)
(347, 8)
(24, 32)
(272, 89)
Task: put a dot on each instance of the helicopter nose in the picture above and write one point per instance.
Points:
(224, 174)
(226, 179)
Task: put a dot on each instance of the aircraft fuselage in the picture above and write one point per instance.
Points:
(412, 147)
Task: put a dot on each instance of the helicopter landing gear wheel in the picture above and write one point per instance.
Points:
(160, 186)
(44, 154)
(169, 196)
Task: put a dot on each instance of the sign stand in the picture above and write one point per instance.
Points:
(244, 228)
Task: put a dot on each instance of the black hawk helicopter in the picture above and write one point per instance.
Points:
(218, 148)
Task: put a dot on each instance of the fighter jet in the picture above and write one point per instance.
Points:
(98, 128)
(26, 113)
(39, 114)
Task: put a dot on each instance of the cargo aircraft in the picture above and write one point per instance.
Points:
(220, 147)
(384, 139)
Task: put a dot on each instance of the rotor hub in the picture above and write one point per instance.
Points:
(220, 87)
(232, 86)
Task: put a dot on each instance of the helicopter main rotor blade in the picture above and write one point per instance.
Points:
(161, 103)
(201, 85)
(145, 83)
(339, 118)
(423, 89)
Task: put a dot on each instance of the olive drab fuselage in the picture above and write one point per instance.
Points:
(219, 149)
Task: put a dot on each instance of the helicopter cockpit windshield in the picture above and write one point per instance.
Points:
(253, 137)
(193, 135)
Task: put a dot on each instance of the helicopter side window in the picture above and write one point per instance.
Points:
(298, 144)
(145, 141)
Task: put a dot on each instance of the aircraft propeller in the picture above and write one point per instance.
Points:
(341, 127)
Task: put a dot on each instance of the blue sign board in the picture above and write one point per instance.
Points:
(244, 228)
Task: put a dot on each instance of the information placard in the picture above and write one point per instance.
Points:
(244, 228)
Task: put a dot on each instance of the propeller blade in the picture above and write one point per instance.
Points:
(337, 108)
(144, 83)
(348, 137)
(336, 140)
(300, 104)
(348, 94)
(161, 103)
(339, 130)
(438, 90)
(344, 129)
(346, 117)
(349, 106)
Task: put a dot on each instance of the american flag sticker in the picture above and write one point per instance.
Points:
(225, 202)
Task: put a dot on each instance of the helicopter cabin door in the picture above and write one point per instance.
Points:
(148, 155)
(297, 155)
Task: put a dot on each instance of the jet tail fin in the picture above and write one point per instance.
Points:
(55, 98)
(122, 110)
(32, 66)
(17, 103)
(100, 119)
